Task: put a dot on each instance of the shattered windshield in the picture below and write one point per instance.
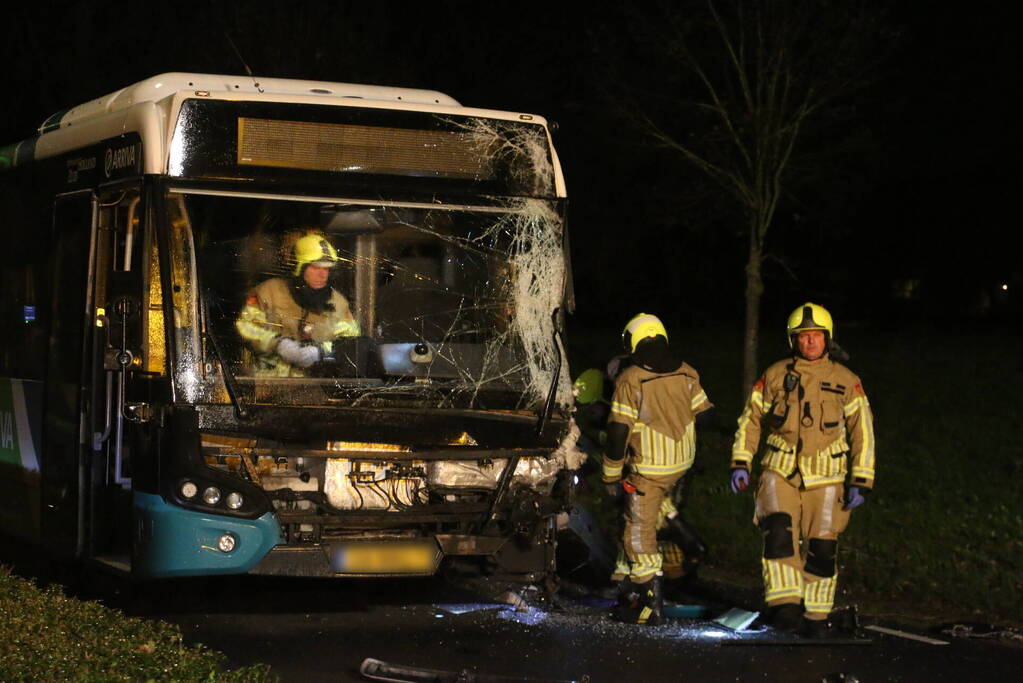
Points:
(307, 301)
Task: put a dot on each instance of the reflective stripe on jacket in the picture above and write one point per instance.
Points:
(819, 426)
(659, 409)
(271, 313)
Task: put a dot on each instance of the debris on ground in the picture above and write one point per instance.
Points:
(905, 634)
(514, 599)
(983, 631)
(377, 670)
(684, 611)
(467, 607)
(737, 619)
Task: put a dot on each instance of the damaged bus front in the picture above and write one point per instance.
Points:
(285, 327)
(412, 409)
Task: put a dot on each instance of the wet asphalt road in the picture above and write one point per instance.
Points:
(312, 630)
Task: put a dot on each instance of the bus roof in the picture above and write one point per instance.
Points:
(158, 87)
(150, 109)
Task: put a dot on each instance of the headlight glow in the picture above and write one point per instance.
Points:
(226, 543)
(189, 489)
(211, 496)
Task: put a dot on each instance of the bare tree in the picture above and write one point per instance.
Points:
(756, 75)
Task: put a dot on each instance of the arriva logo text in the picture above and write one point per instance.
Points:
(116, 159)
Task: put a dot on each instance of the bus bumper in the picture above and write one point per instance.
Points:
(173, 541)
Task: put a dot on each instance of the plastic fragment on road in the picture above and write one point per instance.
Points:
(906, 635)
(684, 611)
(737, 619)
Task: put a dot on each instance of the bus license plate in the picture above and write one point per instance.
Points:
(384, 558)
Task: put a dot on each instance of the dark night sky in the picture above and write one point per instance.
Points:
(927, 188)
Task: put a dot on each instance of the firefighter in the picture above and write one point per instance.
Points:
(591, 411)
(816, 421)
(291, 323)
(652, 431)
(680, 547)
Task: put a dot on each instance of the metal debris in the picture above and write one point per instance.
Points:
(377, 670)
(982, 631)
(906, 635)
(514, 599)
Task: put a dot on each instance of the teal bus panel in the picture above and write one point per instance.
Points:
(179, 542)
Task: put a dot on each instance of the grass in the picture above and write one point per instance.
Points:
(942, 534)
(45, 636)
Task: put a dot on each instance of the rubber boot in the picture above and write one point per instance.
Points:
(787, 617)
(656, 593)
(814, 629)
(641, 603)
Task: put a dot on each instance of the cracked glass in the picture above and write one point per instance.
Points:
(333, 301)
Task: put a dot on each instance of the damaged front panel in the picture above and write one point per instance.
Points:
(399, 399)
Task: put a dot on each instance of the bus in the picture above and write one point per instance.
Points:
(179, 398)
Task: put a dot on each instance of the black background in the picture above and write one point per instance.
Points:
(925, 185)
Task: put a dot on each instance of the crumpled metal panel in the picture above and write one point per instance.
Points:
(536, 473)
(461, 474)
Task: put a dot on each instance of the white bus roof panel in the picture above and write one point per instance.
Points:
(281, 89)
(150, 107)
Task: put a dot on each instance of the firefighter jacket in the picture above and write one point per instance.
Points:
(659, 410)
(816, 422)
(271, 313)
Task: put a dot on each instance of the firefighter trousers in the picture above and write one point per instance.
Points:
(643, 509)
(672, 555)
(801, 529)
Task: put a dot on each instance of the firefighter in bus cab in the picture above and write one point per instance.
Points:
(291, 323)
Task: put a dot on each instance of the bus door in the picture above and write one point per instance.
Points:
(62, 466)
(116, 356)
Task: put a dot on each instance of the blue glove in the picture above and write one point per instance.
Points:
(856, 497)
(740, 479)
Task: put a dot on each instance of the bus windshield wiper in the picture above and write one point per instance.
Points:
(553, 391)
(229, 380)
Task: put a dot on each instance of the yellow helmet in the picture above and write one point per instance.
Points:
(810, 316)
(639, 328)
(313, 248)
(589, 386)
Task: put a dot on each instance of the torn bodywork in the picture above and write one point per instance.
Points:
(411, 410)
(372, 508)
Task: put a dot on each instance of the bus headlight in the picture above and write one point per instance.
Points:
(211, 496)
(226, 543)
(189, 489)
(234, 500)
